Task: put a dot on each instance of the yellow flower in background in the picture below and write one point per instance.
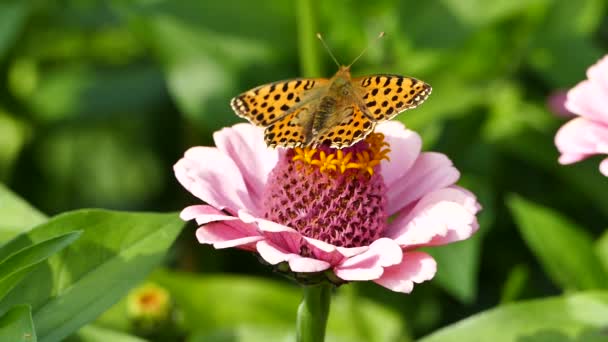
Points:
(149, 304)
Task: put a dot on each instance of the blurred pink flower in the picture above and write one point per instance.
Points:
(587, 135)
(325, 211)
(557, 104)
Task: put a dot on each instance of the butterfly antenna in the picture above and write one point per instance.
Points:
(327, 48)
(367, 47)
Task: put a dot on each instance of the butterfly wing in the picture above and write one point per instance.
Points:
(292, 130)
(385, 96)
(352, 126)
(268, 103)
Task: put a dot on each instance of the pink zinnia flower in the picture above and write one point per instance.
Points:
(323, 214)
(557, 104)
(587, 135)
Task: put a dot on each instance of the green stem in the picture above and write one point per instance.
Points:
(313, 312)
(307, 44)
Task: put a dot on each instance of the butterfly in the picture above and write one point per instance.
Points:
(337, 112)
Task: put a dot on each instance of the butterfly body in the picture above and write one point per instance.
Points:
(337, 112)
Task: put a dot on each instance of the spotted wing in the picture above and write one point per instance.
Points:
(385, 96)
(292, 130)
(352, 127)
(267, 103)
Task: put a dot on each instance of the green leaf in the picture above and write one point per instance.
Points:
(252, 333)
(563, 248)
(570, 55)
(116, 251)
(19, 264)
(248, 333)
(12, 20)
(201, 52)
(458, 265)
(252, 300)
(577, 18)
(565, 41)
(525, 130)
(585, 177)
(601, 250)
(72, 90)
(252, 29)
(580, 316)
(355, 318)
(515, 284)
(449, 102)
(122, 142)
(92, 333)
(505, 120)
(199, 82)
(16, 325)
(480, 12)
(423, 30)
(16, 215)
(13, 135)
(255, 305)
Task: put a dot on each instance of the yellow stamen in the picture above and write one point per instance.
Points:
(342, 161)
(337, 160)
(304, 155)
(324, 162)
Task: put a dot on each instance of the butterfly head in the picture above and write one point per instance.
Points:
(343, 72)
(340, 83)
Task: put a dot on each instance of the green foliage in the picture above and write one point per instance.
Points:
(238, 308)
(12, 20)
(601, 250)
(17, 215)
(113, 252)
(17, 265)
(16, 325)
(579, 318)
(459, 265)
(92, 333)
(565, 250)
(65, 293)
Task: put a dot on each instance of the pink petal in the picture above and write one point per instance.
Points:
(370, 264)
(321, 245)
(598, 73)
(430, 172)
(590, 97)
(297, 263)
(285, 237)
(439, 217)
(332, 254)
(224, 235)
(329, 248)
(324, 251)
(352, 251)
(214, 178)
(557, 104)
(590, 100)
(581, 138)
(244, 143)
(302, 264)
(265, 225)
(416, 267)
(405, 147)
(204, 214)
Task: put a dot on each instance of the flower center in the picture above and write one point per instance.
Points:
(333, 195)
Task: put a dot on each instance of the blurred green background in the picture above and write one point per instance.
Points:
(100, 98)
